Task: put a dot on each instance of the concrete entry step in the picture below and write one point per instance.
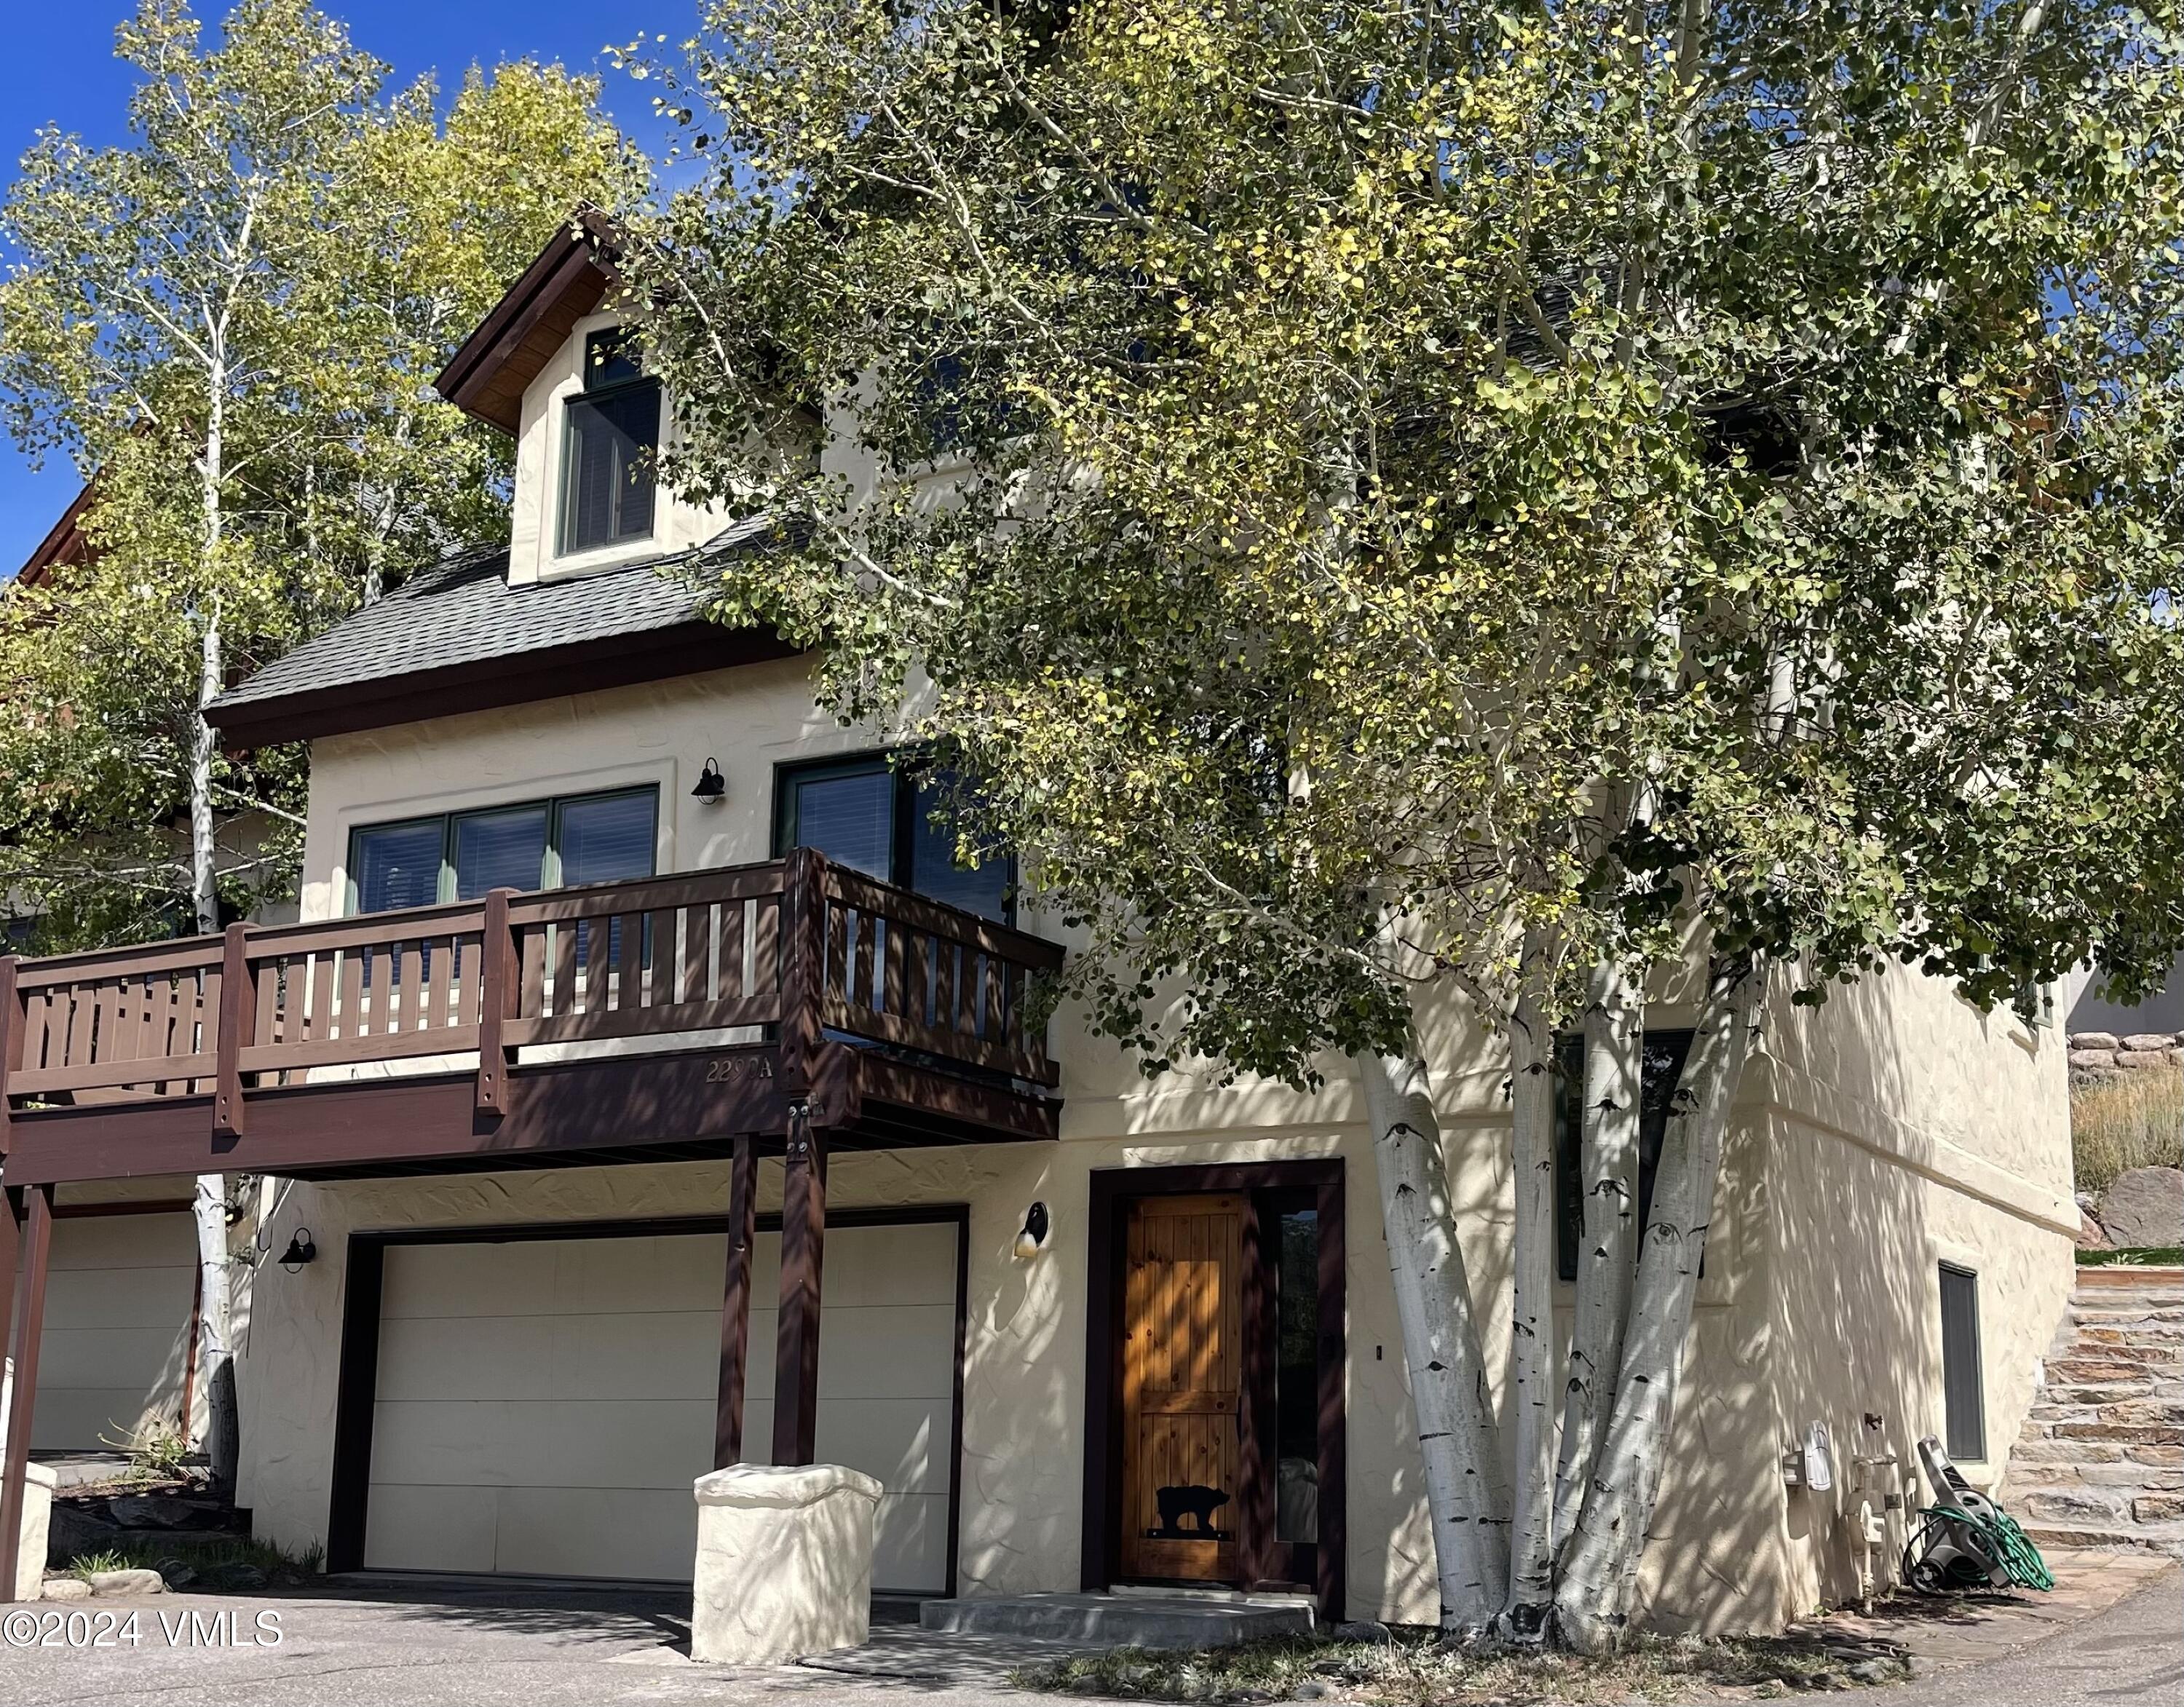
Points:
(1136, 1620)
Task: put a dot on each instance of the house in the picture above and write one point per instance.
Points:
(658, 1093)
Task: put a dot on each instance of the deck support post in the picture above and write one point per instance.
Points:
(238, 1019)
(38, 1243)
(735, 1306)
(796, 1345)
(11, 1053)
(499, 988)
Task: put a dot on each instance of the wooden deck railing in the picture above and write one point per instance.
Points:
(802, 945)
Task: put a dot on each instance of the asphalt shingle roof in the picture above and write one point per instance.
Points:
(463, 610)
(462, 614)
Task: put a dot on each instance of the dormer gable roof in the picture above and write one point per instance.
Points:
(486, 378)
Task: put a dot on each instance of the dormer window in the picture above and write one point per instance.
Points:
(613, 435)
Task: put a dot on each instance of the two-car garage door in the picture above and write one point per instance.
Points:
(542, 1404)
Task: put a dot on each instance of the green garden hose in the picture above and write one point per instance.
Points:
(2009, 1544)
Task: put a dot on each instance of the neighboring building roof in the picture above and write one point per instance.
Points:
(458, 637)
(63, 545)
(2162, 1011)
(486, 376)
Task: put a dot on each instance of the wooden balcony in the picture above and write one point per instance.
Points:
(648, 1021)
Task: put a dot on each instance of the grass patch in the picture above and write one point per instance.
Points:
(2122, 1120)
(156, 1454)
(1414, 1670)
(2154, 1257)
(204, 1561)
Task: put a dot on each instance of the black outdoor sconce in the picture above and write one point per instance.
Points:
(300, 1250)
(1034, 1234)
(712, 787)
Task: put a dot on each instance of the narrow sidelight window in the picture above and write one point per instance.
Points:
(1963, 1388)
(613, 435)
(1663, 1068)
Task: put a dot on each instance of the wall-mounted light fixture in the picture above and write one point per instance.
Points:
(1034, 1234)
(300, 1250)
(712, 787)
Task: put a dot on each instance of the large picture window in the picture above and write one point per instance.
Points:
(613, 435)
(544, 844)
(866, 815)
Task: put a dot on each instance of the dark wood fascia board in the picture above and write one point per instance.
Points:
(598, 1112)
(125, 1206)
(892, 1092)
(486, 376)
(487, 684)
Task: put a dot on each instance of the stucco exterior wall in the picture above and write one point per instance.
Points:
(1913, 1131)
(1889, 1125)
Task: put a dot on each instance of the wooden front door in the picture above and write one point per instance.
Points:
(1183, 1388)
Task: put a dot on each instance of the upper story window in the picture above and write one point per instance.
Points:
(613, 435)
(866, 815)
(545, 844)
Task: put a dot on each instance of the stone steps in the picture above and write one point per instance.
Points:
(2156, 1538)
(2100, 1459)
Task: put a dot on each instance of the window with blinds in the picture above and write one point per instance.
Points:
(870, 815)
(543, 844)
(612, 439)
(1964, 1389)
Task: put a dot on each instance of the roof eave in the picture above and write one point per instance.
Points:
(487, 684)
(485, 378)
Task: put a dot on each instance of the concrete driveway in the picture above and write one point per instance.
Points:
(2130, 1654)
(464, 1647)
(453, 1646)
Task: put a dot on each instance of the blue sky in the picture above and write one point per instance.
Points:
(62, 69)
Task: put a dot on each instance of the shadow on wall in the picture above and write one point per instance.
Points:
(1858, 1240)
(1714, 1557)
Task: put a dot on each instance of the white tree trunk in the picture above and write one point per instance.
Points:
(1532, 1323)
(205, 876)
(1608, 1247)
(214, 1363)
(1599, 1573)
(1458, 1441)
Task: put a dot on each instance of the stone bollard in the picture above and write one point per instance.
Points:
(38, 1484)
(784, 1562)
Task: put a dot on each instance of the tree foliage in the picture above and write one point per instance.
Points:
(1500, 495)
(1408, 472)
(229, 324)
